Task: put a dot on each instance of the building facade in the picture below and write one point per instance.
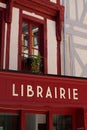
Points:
(43, 65)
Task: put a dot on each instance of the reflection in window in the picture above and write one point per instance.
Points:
(30, 47)
(25, 39)
(62, 122)
(35, 35)
(35, 122)
(9, 121)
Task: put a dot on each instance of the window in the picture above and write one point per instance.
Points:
(32, 46)
(9, 121)
(35, 122)
(62, 122)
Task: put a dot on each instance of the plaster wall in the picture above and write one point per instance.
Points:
(52, 47)
(13, 59)
(54, 1)
(2, 5)
(75, 38)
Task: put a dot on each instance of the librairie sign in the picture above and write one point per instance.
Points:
(18, 88)
(42, 92)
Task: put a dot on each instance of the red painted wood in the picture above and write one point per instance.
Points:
(80, 119)
(44, 81)
(45, 48)
(2, 33)
(50, 121)
(58, 35)
(43, 8)
(9, 5)
(7, 46)
(85, 119)
(22, 120)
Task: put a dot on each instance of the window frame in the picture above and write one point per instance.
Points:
(2, 38)
(30, 25)
(43, 24)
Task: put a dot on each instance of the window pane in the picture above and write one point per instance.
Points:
(25, 40)
(25, 28)
(35, 122)
(9, 121)
(35, 51)
(62, 122)
(35, 35)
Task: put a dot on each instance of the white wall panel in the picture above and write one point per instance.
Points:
(72, 9)
(52, 47)
(2, 5)
(54, 1)
(33, 15)
(76, 27)
(14, 40)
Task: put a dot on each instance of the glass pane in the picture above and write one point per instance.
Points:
(35, 122)
(35, 52)
(25, 28)
(62, 122)
(24, 52)
(35, 36)
(25, 40)
(9, 122)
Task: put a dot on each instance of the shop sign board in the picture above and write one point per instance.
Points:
(24, 89)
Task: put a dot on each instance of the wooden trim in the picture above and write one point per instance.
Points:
(2, 40)
(58, 1)
(6, 110)
(22, 120)
(50, 121)
(44, 8)
(19, 45)
(45, 48)
(8, 46)
(31, 18)
(9, 10)
(59, 19)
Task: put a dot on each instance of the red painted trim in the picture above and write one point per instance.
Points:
(8, 46)
(3, 1)
(58, 2)
(2, 40)
(20, 37)
(59, 20)
(58, 35)
(85, 119)
(31, 18)
(45, 48)
(58, 59)
(44, 8)
(6, 110)
(50, 121)
(9, 5)
(22, 120)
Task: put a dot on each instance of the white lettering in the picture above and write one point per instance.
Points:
(48, 93)
(42, 92)
(55, 92)
(14, 91)
(69, 93)
(62, 93)
(22, 90)
(39, 91)
(75, 94)
(30, 92)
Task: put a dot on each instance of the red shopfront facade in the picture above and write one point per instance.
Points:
(42, 102)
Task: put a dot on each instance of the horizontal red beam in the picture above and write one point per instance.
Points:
(36, 90)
